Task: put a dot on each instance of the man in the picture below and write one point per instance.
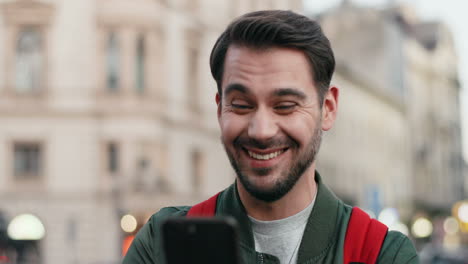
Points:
(273, 72)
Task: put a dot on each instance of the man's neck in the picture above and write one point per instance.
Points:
(297, 199)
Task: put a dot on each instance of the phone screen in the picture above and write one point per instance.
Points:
(200, 240)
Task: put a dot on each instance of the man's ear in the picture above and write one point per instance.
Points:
(218, 103)
(330, 107)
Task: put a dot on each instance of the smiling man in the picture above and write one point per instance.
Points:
(271, 121)
(273, 72)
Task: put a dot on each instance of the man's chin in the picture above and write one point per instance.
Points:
(265, 194)
(261, 172)
(262, 179)
(262, 189)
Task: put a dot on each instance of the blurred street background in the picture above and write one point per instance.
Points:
(107, 114)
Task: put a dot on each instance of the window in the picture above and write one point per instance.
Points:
(192, 78)
(143, 165)
(72, 230)
(113, 63)
(27, 160)
(162, 163)
(113, 158)
(140, 65)
(28, 61)
(146, 178)
(197, 170)
(26, 30)
(192, 41)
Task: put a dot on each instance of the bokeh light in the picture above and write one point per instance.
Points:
(389, 216)
(422, 228)
(463, 212)
(451, 226)
(128, 223)
(26, 227)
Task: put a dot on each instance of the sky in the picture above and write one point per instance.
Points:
(450, 12)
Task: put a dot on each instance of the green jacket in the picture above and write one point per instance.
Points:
(322, 241)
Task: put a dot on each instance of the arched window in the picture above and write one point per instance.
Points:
(140, 64)
(28, 61)
(113, 63)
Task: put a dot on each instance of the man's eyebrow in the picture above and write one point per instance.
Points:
(290, 92)
(236, 87)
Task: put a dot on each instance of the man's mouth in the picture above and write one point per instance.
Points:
(265, 156)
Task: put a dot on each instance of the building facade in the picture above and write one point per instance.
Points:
(398, 129)
(107, 108)
(367, 154)
(434, 114)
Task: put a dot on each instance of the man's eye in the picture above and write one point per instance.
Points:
(285, 106)
(241, 106)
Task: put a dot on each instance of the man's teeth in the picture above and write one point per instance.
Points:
(265, 156)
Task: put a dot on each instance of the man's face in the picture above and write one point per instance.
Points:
(270, 118)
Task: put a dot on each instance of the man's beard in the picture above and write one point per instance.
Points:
(288, 177)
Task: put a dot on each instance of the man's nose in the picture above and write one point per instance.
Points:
(262, 125)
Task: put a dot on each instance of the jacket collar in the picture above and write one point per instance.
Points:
(320, 230)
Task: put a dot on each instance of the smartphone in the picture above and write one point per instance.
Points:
(200, 240)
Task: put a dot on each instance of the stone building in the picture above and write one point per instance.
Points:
(398, 129)
(367, 154)
(107, 108)
(433, 104)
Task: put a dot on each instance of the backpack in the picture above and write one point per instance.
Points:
(364, 236)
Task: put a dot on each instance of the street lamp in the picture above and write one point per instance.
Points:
(26, 227)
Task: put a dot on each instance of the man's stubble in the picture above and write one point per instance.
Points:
(288, 178)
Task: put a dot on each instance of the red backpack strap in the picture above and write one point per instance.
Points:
(364, 238)
(205, 208)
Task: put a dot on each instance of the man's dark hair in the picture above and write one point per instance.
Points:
(277, 28)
